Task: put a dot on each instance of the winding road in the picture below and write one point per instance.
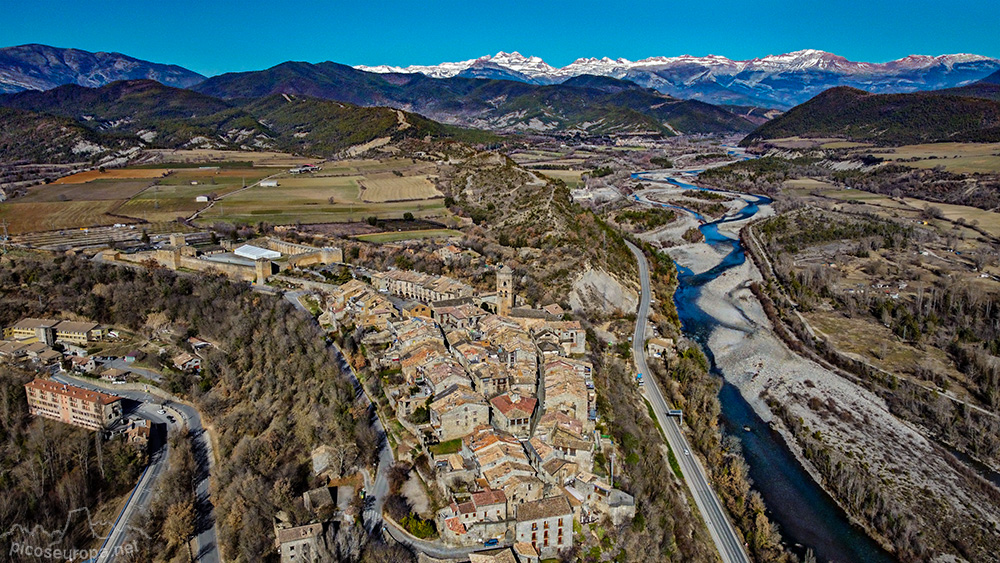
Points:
(148, 406)
(721, 529)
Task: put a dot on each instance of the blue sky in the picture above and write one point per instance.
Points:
(219, 36)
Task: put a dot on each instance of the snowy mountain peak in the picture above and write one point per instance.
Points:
(799, 75)
(529, 66)
(537, 69)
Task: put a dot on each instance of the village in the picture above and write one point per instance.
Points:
(54, 347)
(497, 395)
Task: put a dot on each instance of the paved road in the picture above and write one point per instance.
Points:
(120, 363)
(143, 492)
(726, 540)
(207, 545)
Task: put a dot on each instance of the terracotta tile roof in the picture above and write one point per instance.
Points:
(71, 391)
(502, 472)
(488, 497)
(541, 448)
(456, 396)
(523, 408)
(455, 525)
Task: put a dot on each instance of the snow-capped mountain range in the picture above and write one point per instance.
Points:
(775, 80)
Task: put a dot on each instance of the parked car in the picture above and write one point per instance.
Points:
(492, 542)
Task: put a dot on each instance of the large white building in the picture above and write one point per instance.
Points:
(256, 253)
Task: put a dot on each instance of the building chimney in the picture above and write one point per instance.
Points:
(515, 397)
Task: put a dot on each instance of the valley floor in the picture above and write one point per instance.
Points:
(916, 476)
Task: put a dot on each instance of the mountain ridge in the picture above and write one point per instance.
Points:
(612, 107)
(886, 119)
(41, 67)
(78, 123)
(781, 81)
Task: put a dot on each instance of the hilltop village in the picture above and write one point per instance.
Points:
(498, 395)
(491, 401)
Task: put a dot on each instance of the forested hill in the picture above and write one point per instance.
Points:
(886, 119)
(597, 105)
(73, 123)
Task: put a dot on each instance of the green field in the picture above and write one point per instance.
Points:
(961, 158)
(98, 190)
(332, 195)
(409, 235)
(573, 178)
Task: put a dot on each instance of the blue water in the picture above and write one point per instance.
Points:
(807, 517)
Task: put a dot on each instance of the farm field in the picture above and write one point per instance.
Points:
(989, 221)
(967, 158)
(394, 188)
(559, 162)
(68, 206)
(573, 178)
(167, 203)
(343, 191)
(859, 337)
(316, 212)
(174, 196)
(146, 194)
(25, 217)
(409, 235)
(132, 194)
(211, 155)
(91, 191)
(312, 199)
(216, 175)
(113, 174)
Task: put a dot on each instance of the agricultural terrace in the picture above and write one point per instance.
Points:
(115, 174)
(960, 158)
(343, 191)
(174, 196)
(381, 189)
(409, 235)
(572, 178)
(212, 156)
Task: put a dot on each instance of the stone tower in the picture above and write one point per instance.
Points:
(263, 270)
(505, 290)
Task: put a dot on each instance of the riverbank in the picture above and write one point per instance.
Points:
(808, 517)
(866, 449)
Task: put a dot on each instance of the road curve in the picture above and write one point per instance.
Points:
(721, 529)
(206, 540)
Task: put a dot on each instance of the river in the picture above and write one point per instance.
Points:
(806, 515)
